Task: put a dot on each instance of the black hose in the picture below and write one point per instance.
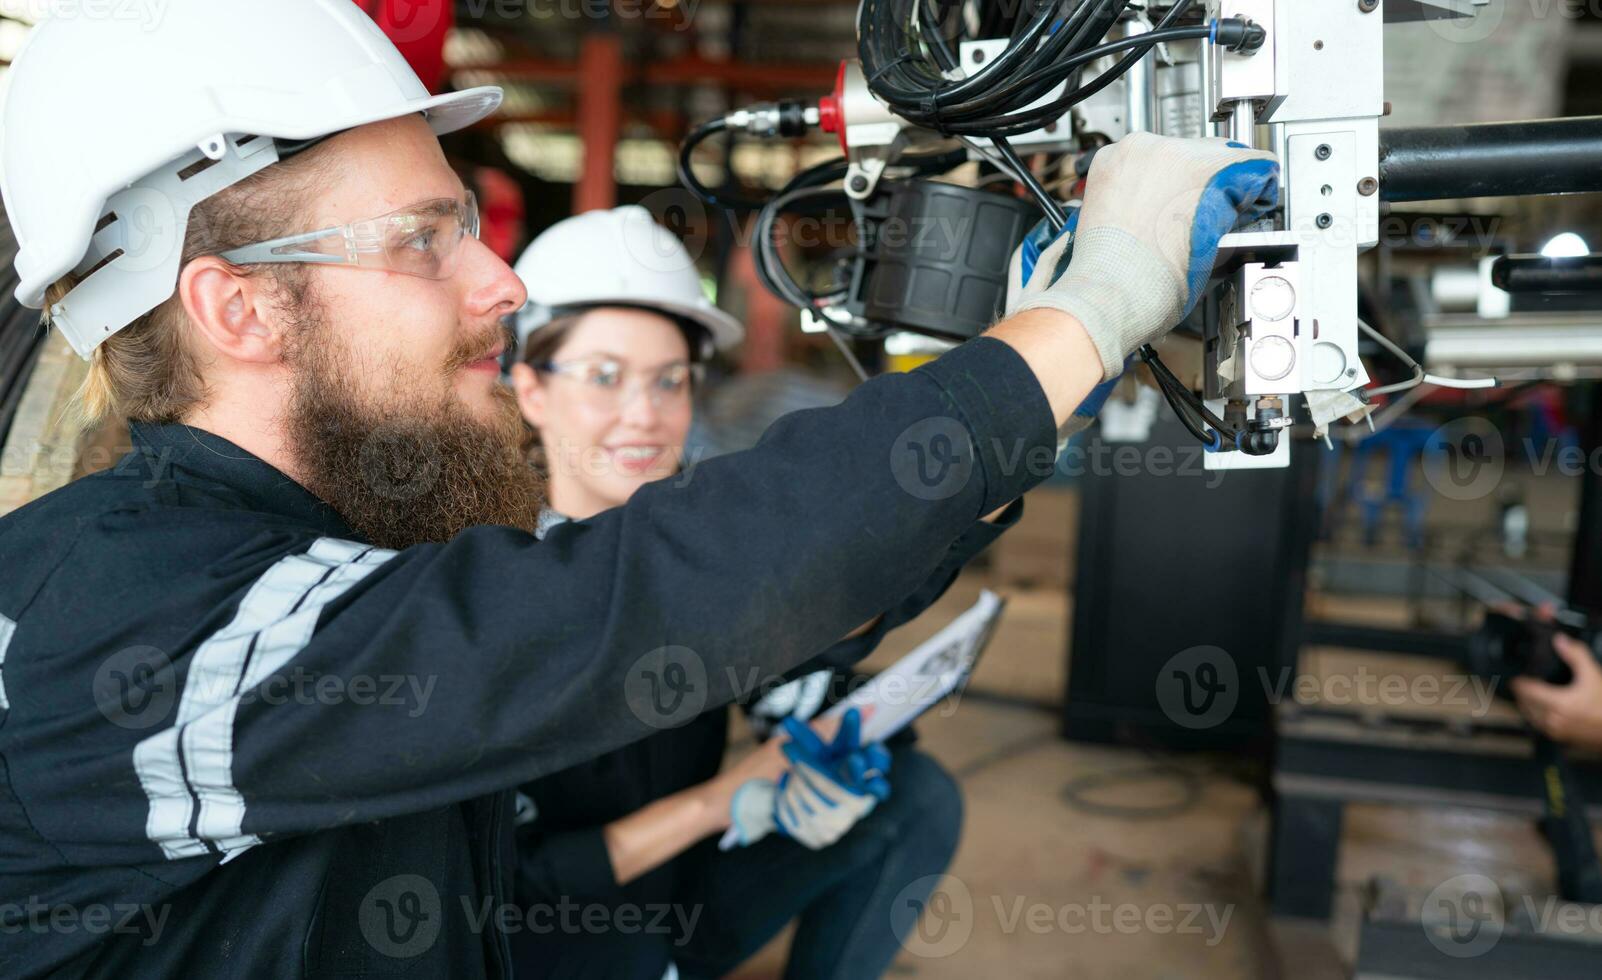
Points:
(1129, 60)
(992, 102)
(1049, 204)
(1191, 410)
(1149, 355)
(1018, 123)
(1027, 88)
(769, 264)
(935, 39)
(687, 176)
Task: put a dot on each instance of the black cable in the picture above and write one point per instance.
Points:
(1026, 88)
(1118, 70)
(1081, 27)
(770, 266)
(1191, 423)
(1021, 49)
(1191, 410)
(917, 90)
(1018, 123)
(1141, 44)
(1129, 60)
(687, 173)
(1161, 371)
(1054, 210)
(1177, 400)
(818, 175)
(992, 101)
(925, 164)
(935, 38)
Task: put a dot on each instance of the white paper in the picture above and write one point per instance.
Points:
(918, 681)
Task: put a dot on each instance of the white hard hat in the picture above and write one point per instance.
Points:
(620, 257)
(108, 115)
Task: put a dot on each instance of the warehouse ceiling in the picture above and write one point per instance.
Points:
(690, 59)
(687, 60)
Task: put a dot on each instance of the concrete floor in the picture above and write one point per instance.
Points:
(1042, 888)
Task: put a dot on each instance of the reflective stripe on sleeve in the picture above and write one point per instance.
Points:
(8, 629)
(187, 770)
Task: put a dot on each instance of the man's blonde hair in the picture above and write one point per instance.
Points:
(148, 372)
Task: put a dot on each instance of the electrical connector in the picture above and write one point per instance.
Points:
(788, 117)
(1239, 34)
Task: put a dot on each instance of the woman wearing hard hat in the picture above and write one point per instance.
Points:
(611, 348)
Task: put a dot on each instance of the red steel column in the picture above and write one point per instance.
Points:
(766, 316)
(600, 118)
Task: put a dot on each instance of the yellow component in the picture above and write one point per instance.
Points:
(904, 352)
(902, 363)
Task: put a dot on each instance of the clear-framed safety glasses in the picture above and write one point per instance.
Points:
(608, 384)
(421, 240)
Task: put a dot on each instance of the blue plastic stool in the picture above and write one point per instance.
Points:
(1405, 444)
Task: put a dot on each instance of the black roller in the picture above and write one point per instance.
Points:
(1539, 274)
(935, 256)
(1517, 159)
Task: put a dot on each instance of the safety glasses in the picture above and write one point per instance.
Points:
(422, 240)
(608, 385)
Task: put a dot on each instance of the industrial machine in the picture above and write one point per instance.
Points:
(1276, 342)
(1277, 347)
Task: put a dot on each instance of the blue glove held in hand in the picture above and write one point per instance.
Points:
(829, 787)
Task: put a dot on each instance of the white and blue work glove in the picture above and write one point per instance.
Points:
(828, 788)
(1147, 237)
(1028, 275)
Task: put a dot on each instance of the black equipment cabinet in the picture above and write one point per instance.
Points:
(1188, 583)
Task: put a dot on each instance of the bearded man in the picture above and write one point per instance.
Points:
(265, 685)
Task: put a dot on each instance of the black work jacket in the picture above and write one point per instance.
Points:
(235, 740)
(561, 849)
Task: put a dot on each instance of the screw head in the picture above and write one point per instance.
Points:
(1325, 220)
(1368, 6)
(1368, 187)
(1324, 151)
(859, 183)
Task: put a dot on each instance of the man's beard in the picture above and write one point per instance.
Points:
(411, 464)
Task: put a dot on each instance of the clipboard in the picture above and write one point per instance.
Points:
(940, 666)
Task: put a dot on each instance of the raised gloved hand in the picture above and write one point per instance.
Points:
(828, 788)
(1146, 239)
(1028, 275)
